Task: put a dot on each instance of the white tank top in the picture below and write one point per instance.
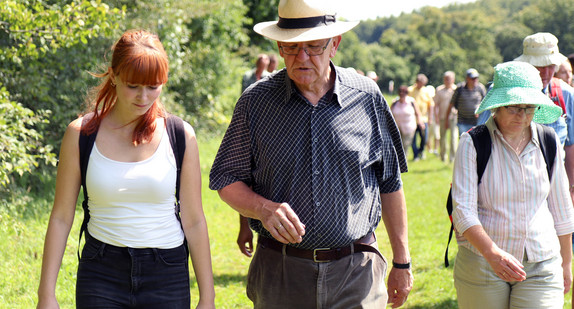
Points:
(132, 203)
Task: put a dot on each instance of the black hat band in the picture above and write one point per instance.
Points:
(307, 22)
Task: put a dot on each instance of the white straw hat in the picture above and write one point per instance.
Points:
(540, 50)
(304, 20)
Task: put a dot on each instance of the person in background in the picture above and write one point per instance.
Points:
(407, 116)
(514, 228)
(259, 72)
(565, 72)
(465, 100)
(433, 140)
(313, 189)
(372, 75)
(541, 51)
(273, 63)
(133, 234)
(442, 99)
(423, 98)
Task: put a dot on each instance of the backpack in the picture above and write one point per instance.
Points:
(483, 145)
(176, 134)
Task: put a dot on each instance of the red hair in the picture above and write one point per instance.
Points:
(138, 58)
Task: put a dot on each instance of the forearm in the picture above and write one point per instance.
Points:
(478, 238)
(566, 249)
(277, 218)
(569, 163)
(242, 198)
(54, 248)
(394, 213)
(198, 243)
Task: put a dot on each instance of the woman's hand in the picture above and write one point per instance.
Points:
(506, 266)
(47, 303)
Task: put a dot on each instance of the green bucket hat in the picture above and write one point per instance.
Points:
(518, 82)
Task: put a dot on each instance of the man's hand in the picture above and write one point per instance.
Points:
(245, 237)
(282, 222)
(399, 286)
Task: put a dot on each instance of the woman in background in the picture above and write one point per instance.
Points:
(407, 116)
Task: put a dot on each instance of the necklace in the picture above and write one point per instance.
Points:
(519, 146)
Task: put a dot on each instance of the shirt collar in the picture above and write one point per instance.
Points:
(491, 125)
(291, 89)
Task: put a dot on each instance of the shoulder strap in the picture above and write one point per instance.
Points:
(483, 145)
(547, 139)
(176, 133)
(556, 94)
(86, 143)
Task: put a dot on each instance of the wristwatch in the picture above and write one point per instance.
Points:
(402, 266)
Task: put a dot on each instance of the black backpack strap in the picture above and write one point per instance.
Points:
(483, 145)
(547, 140)
(86, 143)
(176, 133)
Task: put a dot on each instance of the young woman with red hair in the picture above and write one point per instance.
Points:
(135, 254)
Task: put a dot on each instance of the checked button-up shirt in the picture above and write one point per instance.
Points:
(329, 162)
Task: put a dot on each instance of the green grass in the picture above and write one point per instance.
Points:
(426, 186)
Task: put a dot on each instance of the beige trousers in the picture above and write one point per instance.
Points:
(477, 286)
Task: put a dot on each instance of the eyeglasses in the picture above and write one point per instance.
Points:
(527, 110)
(309, 50)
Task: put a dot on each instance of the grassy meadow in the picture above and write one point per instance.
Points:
(426, 186)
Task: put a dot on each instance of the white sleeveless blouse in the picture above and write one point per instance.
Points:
(132, 204)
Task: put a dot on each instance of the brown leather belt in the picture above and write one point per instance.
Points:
(322, 254)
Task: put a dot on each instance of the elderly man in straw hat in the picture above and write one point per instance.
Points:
(313, 158)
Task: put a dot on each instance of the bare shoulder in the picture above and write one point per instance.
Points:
(76, 125)
(189, 131)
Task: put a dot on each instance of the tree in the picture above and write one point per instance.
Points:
(31, 32)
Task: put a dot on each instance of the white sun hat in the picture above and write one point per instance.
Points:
(540, 50)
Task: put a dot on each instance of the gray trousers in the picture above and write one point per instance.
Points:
(279, 281)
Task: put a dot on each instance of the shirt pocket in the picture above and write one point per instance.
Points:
(358, 147)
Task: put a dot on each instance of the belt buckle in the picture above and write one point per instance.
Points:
(315, 255)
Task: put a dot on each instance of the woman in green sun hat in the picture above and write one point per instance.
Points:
(507, 225)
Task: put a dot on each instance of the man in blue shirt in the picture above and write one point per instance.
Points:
(313, 157)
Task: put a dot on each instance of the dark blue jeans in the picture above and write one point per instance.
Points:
(116, 277)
